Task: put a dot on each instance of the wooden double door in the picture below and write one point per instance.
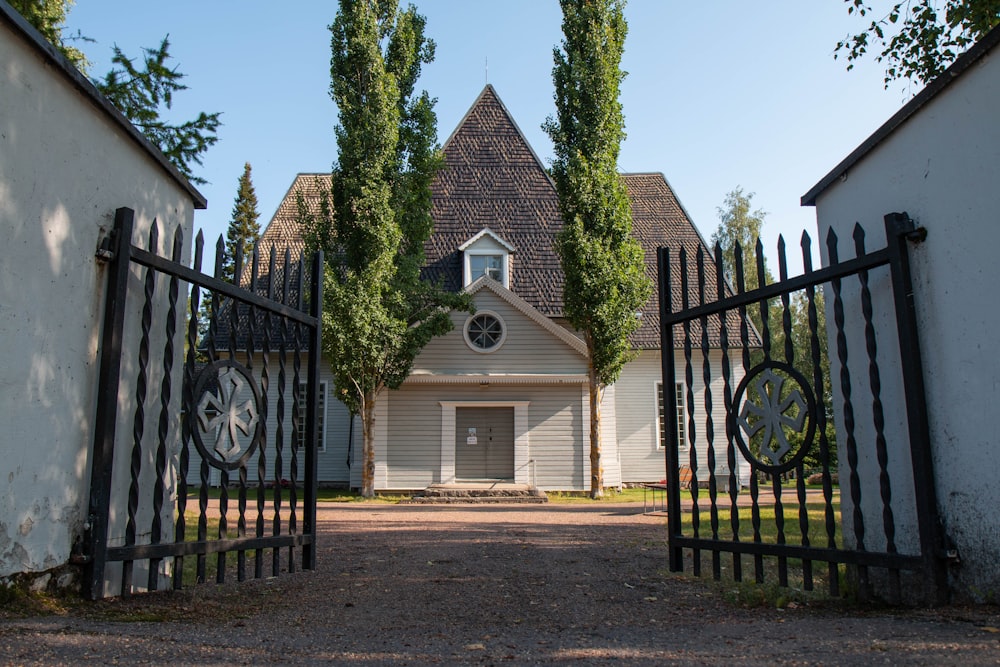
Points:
(484, 443)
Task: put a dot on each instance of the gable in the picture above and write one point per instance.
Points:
(493, 179)
(979, 52)
(532, 344)
(69, 76)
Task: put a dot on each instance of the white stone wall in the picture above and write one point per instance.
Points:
(942, 167)
(65, 166)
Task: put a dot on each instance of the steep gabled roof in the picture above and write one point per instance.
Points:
(659, 219)
(493, 180)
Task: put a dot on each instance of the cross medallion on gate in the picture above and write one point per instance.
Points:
(229, 411)
(777, 402)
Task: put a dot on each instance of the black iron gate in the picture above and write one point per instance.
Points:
(173, 472)
(777, 396)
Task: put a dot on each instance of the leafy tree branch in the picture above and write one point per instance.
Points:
(917, 39)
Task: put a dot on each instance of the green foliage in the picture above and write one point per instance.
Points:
(741, 226)
(605, 283)
(143, 94)
(375, 218)
(49, 18)
(244, 230)
(917, 43)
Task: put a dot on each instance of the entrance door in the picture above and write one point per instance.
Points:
(484, 446)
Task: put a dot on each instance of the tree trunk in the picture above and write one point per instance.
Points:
(368, 448)
(596, 469)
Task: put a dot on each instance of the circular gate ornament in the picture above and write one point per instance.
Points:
(227, 413)
(771, 402)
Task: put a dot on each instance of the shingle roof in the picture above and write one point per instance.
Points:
(658, 219)
(492, 178)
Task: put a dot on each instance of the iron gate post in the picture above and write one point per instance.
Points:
(106, 418)
(668, 381)
(899, 230)
(311, 473)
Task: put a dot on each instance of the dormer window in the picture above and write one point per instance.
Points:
(486, 265)
(486, 254)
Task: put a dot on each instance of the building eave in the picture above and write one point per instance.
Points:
(962, 64)
(68, 71)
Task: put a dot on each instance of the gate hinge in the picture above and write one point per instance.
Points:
(918, 235)
(105, 248)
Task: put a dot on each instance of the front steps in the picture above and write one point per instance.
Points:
(478, 493)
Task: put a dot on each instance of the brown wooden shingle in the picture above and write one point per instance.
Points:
(492, 178)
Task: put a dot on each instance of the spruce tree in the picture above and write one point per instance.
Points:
(244, 230)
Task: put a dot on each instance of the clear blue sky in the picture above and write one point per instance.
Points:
(719, 94)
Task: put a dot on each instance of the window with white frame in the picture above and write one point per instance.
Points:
(300, 412)
(486, 265)
(486, 254)
(485, 331)
(661, 420)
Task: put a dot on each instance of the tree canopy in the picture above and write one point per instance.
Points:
(49, 18)
(605, 282)
(143, 95)
(917, 39)
(373, 221)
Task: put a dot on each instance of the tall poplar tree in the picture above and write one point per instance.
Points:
(603, 264)
(372, 224)
(244, 230)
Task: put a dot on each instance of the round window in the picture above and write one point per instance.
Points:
(484, 332)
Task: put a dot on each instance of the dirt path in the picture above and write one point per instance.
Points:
(519, 585)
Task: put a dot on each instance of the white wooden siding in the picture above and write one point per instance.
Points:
(528, 348)
(638, 436)
(555, 432)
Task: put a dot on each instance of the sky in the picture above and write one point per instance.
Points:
(719, 94)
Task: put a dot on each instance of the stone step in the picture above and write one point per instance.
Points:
(484, 492)
(475, 500)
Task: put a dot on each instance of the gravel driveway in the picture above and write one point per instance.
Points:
(497, 584)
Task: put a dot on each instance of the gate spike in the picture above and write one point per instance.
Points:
(782, 260)
(831, 246)
(806, 244)
(859, 239)
(220, 255)
(154, 237)
(199, 249)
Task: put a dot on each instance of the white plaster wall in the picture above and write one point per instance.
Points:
(942, 166)
(64, 169)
